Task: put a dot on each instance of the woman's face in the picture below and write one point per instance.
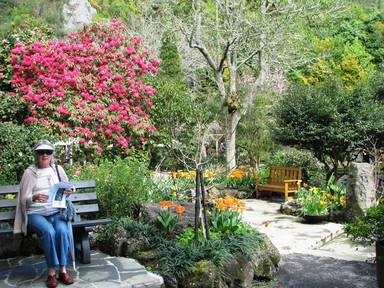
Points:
(44, 158)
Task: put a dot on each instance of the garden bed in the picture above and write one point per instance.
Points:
(233, 260)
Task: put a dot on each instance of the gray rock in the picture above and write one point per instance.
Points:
(150, 211)
(117, 245)
(204, 275)
(76, 13)
(267, 260)
(290, 208)
(360, 190)
(240, 271)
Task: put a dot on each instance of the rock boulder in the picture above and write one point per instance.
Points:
(360, 190)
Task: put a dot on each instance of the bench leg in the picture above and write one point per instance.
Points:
(82, 237)
(85, 248)
(285, 192)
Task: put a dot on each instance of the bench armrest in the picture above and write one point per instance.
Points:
(298, 181)
(290, 181)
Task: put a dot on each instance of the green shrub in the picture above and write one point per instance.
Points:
(179, 258)
(16, 150)
(121, 184)
(313, 172)
(368, 228)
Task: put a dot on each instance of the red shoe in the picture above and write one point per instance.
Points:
(66, 279)
(52, 281)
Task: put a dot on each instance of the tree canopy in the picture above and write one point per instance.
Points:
(333, 122)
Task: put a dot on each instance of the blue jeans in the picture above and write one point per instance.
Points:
(54, 236)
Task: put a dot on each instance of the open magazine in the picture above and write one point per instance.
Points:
(57, 195)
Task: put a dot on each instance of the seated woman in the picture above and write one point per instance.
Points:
(36, 214)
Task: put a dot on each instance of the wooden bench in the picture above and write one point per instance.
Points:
(285, 180)
(85, 202)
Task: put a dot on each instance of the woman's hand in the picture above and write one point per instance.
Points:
(40, 197)
(68, 192)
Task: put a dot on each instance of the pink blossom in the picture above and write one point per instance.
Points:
(30, 120)
(108, 133)
(122, 141)
(60, 75)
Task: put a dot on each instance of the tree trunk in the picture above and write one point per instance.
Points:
(230, 139)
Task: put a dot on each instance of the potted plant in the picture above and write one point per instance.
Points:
(319, 204)
(314, 204)
(369, 229)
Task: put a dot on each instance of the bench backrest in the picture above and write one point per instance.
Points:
(85, 199)
(277, 174)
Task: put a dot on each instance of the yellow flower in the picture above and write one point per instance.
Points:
(343, 200)
(236, 173)
(208, 174)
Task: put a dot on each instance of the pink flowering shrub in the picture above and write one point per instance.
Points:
(89, 87)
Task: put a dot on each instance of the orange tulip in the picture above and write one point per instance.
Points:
(169, 204)
(179, 210)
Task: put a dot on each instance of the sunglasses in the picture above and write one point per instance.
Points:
(46, 152)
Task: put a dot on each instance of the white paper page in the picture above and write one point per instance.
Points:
(57, 195)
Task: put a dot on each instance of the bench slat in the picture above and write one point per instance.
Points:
(87, 208)
(9, 189)
(6, 230)
(5, 203)
(88, 223)
(7, 215)
(82, 184)
(77, 197)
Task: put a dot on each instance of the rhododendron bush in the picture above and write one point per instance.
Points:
(89, 86)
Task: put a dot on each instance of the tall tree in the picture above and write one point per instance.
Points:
(244, 42)
(331, 121)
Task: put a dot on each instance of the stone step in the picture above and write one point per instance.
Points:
(103, 271)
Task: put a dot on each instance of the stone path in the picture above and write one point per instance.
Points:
(104, 271)
(291, 234)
